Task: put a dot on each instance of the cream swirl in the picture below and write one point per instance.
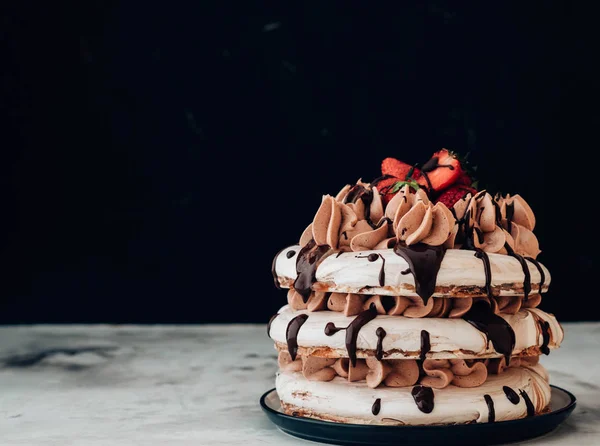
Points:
(410, 306)
(344, 226)
(492, 223)
(417, 220)
(437, 373)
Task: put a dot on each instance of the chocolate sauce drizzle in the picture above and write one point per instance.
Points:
(290, 253)
(291, 334)
(380, 335)
(373, 258)
(497, 330)
(541, 270)
(481, 254)
(423, 397)
(545, 328)
(306, 267)
(352, 330)
(270, 322)
(376, 406)
(527, 278)
(339, 254)
(357, 192)
(424, 262)
(425, 345)
(511, 395)
(528, 403)
(273, 264)
(491, 411)
(510, 212)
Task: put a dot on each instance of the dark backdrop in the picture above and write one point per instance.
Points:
(156, 157)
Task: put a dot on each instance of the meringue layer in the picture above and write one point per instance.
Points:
(352, 402)
(450, 338)
(461, 274)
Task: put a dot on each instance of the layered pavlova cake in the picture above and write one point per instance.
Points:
(413, 299)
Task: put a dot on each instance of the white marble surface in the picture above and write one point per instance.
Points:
(194, 385)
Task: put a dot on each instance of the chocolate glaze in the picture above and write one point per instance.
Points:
(352, 330)
(433, 164)
(275, 279)
(331, 329)
(424, 262)
(423, 397)
(481, 254)
(378, 180)
(372, 258)
(376, 406)
(291, 334)
(382, 271)
(290, 253)
(545, 328)
(528, 403)
(425, 345)
(380, 335)
(339, 254)
(510, 211)
(541, 270)
(497, 330)
(357, 192)
(306, 267)
(270, 322)
(491, 411)
(525, 267)
(511, 395)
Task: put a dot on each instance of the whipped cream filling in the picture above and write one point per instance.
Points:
(449, 338)
(461, 274)
(352, 402)
(352, 304)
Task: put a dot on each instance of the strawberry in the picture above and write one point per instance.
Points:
(455, 193)
(464, 180)
(395, 168)
(441, 171)
(385, 186)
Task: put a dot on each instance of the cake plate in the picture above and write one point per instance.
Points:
(562, 404)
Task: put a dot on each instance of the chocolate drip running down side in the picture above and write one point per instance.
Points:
(541, 271)
(491, 411)
(481, 254)
(380, 335)
(273, 265)
(423, 397)
(424, 262)
(376, 406)
(352, 330)
(528, 403)
(526, 274)
(306, 267)
(425, 345)
(511, 395)
(545, 329)
(373, 257)
(497, 330)
(291, 334)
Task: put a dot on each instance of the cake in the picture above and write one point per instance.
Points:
(413, 300)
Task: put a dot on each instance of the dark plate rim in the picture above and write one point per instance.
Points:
(266, 408)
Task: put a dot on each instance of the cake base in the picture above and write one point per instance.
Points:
(353, 402)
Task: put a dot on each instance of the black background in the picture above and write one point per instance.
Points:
(156, 157)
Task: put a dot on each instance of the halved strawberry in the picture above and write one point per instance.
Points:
(455, 193)
(441, 171)
(464, 179)
(395, 168)
(385, 186)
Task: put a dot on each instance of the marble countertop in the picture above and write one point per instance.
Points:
(194, 385)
